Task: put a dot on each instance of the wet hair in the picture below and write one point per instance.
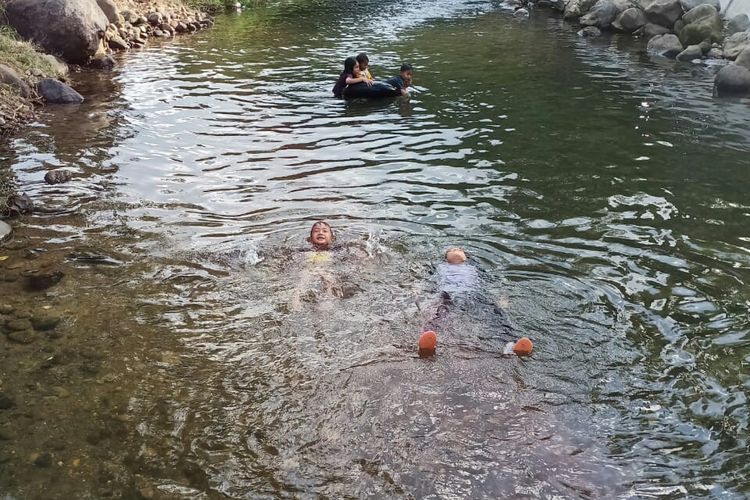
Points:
(349, 64)
(406, 67)
(362, 58)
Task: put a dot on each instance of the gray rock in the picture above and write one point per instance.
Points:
(70, 28)
(56, 92)
(690, 53)
(9, 76)
(18, 324)
(590, 32)
(6, 402)
(738, 23)
(22, 337)
(715, 53)
(110, 10)
(18, 204)
(650, 30)
(102, 62)
(601, 15)
(743, 59)
(181, 28)
(667, 45)
(115, 42)
(129, 16)
(576, 8)
(623, 5)
(688, 5)
(5, 233)
(155, 18)
(736, 43)
(629, 20)
(732, 80)
(664, 12)
(57, 176)
(523, 13)
(702, 23)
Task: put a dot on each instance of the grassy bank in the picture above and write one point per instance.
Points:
(31, 65)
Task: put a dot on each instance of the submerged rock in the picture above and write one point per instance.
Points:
(18, 204)
(17, 325)
(102, 62)
(664, 12)
(22, 337)
(6, 402)
(664, 45)
(629, 20)
(70, 28)
(522, 13)
(576, 8)
(57, 176)
(650, 30)
(42, 323)
(732, 80)
(36, 281)
(590, 32)
(56, 92)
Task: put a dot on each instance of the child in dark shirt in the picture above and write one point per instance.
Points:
(403, 80)
(349, 76)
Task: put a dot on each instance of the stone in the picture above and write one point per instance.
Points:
(576, 8)
(104, 62)
(521, 13)
(629, 20)
(601, 15)
(110, 10)
(732, 80)
(42, 281)
(664, 12)
(57, 176)
(690, 53)
(743, 59)
(715, 53)
(688, 5)
(6, 402)
(116, 42)
(9, 76)
(44, 323)
(22, 337)
(738, 23)
(17, 325)
(623, 5)
(42, 459)
(57, 64)
(736, 43)
(667, 45)
(154, 18)
(18, 204)
(7, 434)
(590, 32)
(69, 28)
(167, 27)
(129, 16)
(5, 233)
(650, 30)
(56, 92)
(6, 308)
(181, 28)
(702, 23)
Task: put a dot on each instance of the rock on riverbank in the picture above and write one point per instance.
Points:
(686, 30)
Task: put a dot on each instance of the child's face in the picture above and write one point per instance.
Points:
(321, 235)
(363, 65)
(356, 71)
(406, 75)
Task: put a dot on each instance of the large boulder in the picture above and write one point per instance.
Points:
(629, 20)
(650, 30)
(56, 92)
(110, 10)
(667, 45)
(732, 80)
(601, 15)
(576, 8)
(702, 23)
(738, 23)
(664, 12)
(688, 5)
(10, 77)
(743, 59)
(691, 53)
(736, 43)
(71, 29)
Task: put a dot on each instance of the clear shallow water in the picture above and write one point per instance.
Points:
(600, 193)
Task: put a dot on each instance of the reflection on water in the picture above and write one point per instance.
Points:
(200, 351)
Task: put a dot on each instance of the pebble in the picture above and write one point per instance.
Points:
(6, 309)
(44, 323)
(18, 324)
(6, 402)
(41, 459)
(23, 337)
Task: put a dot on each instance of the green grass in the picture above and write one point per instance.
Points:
(22, 56)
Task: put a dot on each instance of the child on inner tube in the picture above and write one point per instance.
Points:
(349, 76)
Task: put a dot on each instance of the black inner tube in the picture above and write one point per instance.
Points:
(374, 91)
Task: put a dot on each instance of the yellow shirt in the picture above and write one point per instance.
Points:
(366, 73)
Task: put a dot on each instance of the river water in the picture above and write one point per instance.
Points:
(201, 352)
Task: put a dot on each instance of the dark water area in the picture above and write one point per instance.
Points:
(201, 354)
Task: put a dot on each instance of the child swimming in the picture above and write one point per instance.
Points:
(349, 76)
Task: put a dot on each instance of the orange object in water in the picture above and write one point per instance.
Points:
(523, 347)
(427, 343)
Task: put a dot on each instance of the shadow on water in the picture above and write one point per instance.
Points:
(194, 349)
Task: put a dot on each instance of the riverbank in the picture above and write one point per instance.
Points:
(83, 35)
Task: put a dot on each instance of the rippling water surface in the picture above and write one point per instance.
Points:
(203, 354)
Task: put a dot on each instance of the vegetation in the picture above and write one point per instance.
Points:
(218, 5)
